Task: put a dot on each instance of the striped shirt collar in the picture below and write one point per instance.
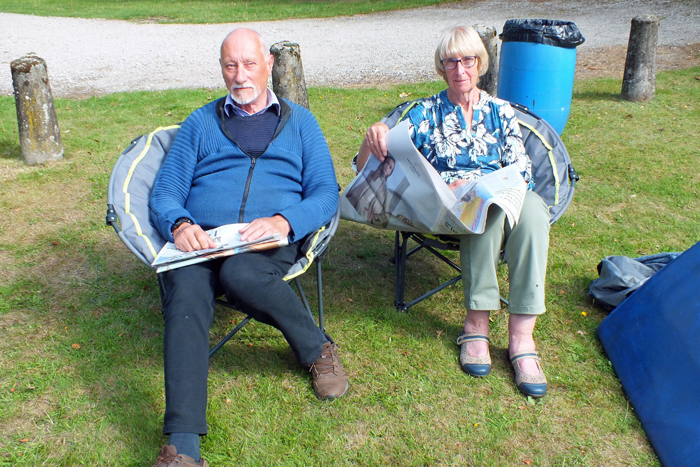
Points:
(230, 105)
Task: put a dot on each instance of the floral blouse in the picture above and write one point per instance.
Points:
(458, 151)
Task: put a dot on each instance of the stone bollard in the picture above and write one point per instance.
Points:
(639, 79)
(288, 74)
(487, 82)
(39, 135)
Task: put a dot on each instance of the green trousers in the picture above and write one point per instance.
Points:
(525, 247)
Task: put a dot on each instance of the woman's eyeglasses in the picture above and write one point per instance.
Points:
(467, 62)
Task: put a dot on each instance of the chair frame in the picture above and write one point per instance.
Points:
(127, 214)
(401, 254)
(530, 124)
(113, 221)
(241, 325)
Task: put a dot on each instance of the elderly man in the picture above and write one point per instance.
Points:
(253, 158)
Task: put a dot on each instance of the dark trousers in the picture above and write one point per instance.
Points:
(254, 283)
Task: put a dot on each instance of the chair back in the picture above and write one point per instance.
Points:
(314, 247)
(554, 175)
(129, 192)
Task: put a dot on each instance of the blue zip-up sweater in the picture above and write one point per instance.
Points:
(207, 178)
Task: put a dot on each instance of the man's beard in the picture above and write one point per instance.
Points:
(245, 101)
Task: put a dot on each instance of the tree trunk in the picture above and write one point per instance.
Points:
(288, 74)
(39, 135)
(639, 80)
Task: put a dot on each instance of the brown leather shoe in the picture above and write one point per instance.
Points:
(330, 379)
(170, 458)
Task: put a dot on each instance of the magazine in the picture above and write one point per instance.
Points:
(228, 241)
(406, 193)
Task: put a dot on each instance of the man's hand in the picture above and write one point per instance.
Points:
(265, 226)
(190, 237)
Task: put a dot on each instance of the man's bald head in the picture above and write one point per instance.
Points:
(245, 34)
(246, 66)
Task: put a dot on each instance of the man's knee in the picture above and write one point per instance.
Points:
(244, 273)
(188, 289)
(252, 272)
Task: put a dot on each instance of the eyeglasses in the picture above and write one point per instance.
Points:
(451, 63)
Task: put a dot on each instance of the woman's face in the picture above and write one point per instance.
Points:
(462, 80)
(388, 167)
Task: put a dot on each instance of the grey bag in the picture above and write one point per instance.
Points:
(621, 275)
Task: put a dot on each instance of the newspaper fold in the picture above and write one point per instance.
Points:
(228, 241)
(406, 193)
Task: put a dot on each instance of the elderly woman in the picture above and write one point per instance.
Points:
(465, 133)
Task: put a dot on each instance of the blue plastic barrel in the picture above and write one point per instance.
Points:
(537, 65)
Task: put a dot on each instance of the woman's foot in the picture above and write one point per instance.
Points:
(520, 341)
(529, 377)
(474, 355)
(474, 365)
(533, 385)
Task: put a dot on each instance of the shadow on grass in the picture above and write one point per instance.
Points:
(10, 151)
(599, 96)
(114, 313)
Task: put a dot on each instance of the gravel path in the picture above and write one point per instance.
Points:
(93, 57)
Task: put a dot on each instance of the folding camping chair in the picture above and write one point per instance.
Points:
(128, 195)
(555, 180)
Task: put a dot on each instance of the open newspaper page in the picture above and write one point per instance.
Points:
(405, 192)
(228, 241)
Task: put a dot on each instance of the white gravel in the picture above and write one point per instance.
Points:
(93, 57)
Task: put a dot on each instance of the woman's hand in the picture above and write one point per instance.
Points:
(373, 143)
(376, 140)
(456, 184)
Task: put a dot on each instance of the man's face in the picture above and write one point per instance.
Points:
(245, 68)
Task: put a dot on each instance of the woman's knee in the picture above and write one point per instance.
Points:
(535, 211)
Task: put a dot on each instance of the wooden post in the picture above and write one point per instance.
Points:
(488, 35)
(639, 80)
(288, 74)
(39, 135)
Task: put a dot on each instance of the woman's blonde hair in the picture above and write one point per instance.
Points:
(460, 41)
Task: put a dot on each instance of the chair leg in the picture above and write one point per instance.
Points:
(229, 336)
(305, 302)
(400, 245)
(319, 286)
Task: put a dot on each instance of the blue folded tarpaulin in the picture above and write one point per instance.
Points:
(652, 341)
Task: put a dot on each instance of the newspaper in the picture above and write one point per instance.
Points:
(228, 241)
(406, 193)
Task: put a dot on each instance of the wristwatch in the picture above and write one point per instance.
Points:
(179, 222)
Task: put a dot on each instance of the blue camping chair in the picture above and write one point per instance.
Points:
(555, 181)
(129, 192)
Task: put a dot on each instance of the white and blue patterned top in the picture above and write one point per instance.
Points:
(458, 151)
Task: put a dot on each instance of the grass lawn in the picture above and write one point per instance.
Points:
(81, 332)
(206, 11)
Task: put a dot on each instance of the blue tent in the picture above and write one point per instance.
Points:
(651, 339)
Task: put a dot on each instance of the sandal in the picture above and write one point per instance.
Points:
(474, 366)
(530, 385)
